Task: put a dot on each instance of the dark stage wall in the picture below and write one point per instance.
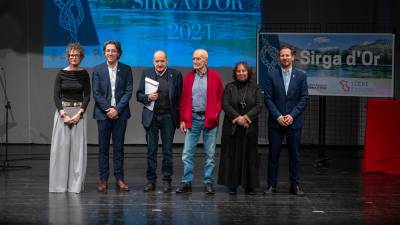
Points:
(30, 88)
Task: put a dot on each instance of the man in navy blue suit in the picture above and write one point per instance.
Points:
(163, 117)
(112, 89)
(286, 96)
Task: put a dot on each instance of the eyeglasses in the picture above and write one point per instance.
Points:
(74, 55)
(111, 50)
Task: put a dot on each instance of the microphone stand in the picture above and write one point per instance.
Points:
(6, 165)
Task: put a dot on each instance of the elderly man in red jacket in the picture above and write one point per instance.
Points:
(201, 104)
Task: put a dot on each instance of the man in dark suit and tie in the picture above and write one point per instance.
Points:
(160, 113)
(286, 96)
(112, 89)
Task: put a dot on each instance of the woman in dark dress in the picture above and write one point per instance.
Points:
(242, 103)
(68, 143)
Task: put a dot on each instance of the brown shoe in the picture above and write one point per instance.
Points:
(121, 186)
(102, 186)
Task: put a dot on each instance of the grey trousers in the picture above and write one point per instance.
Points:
(68, 156)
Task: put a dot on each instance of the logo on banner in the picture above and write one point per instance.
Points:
(269, 55)
(67, 19)
(345, 85)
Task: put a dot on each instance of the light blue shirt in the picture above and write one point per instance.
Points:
(199, 92)
(286, 77)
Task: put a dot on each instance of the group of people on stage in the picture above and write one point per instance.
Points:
(192, 104)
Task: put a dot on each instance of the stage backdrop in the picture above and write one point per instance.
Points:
(226, 28)
(336, 64)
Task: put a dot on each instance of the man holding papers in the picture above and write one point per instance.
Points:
(160, 91)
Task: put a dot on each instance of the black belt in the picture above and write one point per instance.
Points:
(201, 113)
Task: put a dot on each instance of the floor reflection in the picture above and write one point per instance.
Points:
(340, 195)
(65, 208)
(158, 209)
(380, 196)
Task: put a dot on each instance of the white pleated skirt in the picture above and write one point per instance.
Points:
(68, 156)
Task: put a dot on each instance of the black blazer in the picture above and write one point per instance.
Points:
(175, 91)
(232, 107)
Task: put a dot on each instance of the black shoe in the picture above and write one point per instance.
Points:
(167, 186)
(249, 191)
(297, 190)
(232, 191)
(208, 189)
(270, 190)
(149, 187)
(184, 188)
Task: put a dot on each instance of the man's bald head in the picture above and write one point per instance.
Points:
(200, 59)
(159, 53)
(201, 52)
(160, 60)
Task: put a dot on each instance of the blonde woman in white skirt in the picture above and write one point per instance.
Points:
(68, 145)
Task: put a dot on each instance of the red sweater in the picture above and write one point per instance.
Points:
(215, 90)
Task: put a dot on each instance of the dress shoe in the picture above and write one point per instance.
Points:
(270, 190)
(208, 189)
(232, 191)
(102, 187)
(249, 191)
(121, 186)
(167, 186)
(149, 187)
(184, 188)
(297, 190)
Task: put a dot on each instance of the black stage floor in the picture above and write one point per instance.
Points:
(337, 194)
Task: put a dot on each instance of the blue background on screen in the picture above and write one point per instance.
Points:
(227, 29)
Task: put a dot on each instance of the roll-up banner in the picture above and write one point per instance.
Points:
(336, 64)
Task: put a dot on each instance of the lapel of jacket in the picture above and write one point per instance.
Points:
(107, 78)
(190, 78)
(170, 84)
(152, 75)
(281, 82)
(117, 77)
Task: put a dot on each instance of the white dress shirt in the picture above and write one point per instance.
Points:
(112, 71)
